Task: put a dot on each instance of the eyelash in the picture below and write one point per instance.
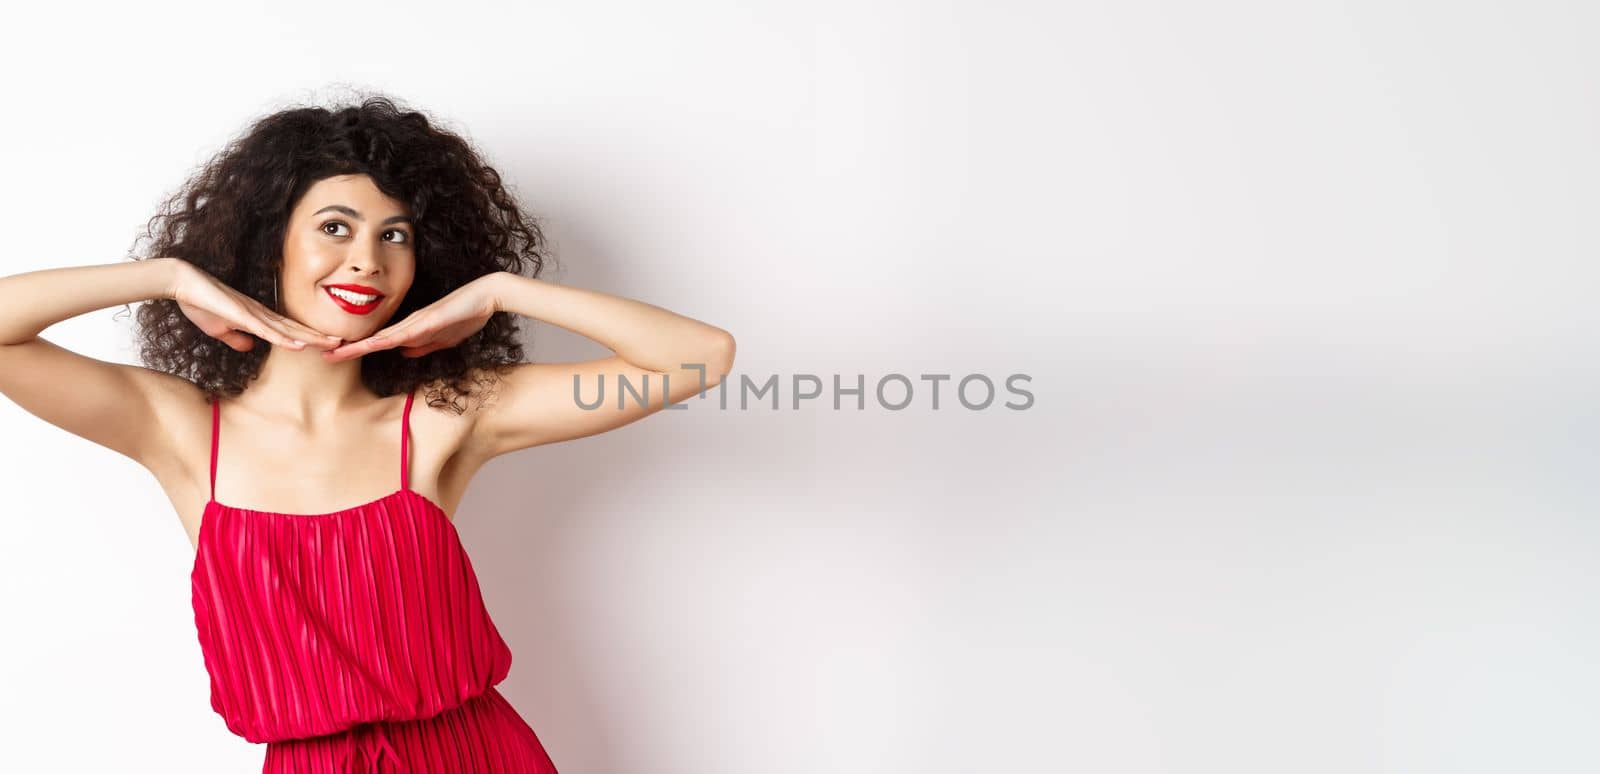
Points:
(346, 225)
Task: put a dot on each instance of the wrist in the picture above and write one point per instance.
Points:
(171, 272)
(499, 285)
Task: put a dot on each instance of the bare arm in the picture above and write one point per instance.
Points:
(35, 300)
(111, 404)
(536, 404)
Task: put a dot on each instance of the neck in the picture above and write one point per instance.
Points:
(299, 386)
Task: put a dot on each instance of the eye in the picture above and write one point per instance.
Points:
(405, 237)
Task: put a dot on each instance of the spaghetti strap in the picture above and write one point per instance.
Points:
(354, 639)
(405, 430)
(216, 409)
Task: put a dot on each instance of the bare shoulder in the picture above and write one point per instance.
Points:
(443, 425)
(182, 413)
(127, 408)
(454, 405)
(174, 419)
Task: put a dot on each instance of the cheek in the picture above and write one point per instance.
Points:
(305, 260)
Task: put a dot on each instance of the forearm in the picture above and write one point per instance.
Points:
(642, 334)
(33, 301)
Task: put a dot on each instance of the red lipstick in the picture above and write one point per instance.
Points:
(350, 306)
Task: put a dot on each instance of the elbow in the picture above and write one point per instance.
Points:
(718, 356)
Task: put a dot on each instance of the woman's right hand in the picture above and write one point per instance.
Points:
(230, 316)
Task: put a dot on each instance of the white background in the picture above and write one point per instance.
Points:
(1304, 289)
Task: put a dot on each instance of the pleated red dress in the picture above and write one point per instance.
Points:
(355, 640)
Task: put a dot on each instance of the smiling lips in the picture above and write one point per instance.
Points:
(352, 301)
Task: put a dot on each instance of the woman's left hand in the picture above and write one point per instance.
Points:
(439, 325)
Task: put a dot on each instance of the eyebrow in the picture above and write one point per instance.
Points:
(357, 215)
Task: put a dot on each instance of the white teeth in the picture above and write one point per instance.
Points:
(354, 298)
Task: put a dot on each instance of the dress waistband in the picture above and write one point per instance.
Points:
(363, 747)
(373, 743)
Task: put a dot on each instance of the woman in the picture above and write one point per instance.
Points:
(378, 257)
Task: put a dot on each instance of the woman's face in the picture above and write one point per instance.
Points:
(345, 233)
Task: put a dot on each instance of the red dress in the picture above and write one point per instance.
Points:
(354, 640)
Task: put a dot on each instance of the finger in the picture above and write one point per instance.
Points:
(411, 327)
(396, 335)
(400, 334)
(358, 348)
(311, 336)
(339, 354)
(239, 341)
(274, 332)
(297, 330)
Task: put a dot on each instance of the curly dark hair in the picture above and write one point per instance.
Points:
(229, 219)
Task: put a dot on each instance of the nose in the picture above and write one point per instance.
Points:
(366, 259)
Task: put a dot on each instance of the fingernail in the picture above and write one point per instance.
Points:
(301, 343)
